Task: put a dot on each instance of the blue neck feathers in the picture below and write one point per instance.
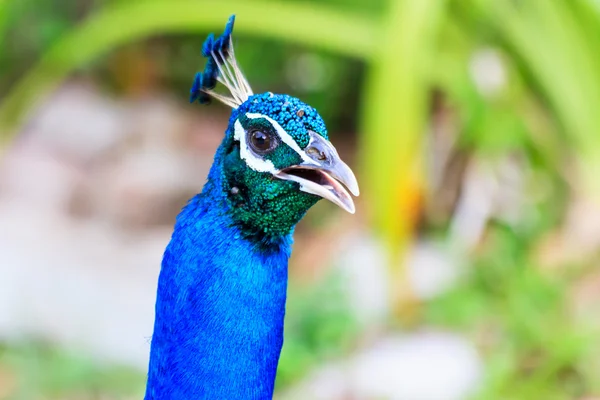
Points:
(220, 306)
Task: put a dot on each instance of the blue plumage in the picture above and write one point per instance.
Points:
(220, 308)
(221, 294)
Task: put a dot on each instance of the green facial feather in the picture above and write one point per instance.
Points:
(264, 206)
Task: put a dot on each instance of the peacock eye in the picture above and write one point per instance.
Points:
(262, 142)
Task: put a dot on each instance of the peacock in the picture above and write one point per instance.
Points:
(221, 294)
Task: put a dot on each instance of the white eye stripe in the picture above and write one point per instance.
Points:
(284, 136)
(252, 160)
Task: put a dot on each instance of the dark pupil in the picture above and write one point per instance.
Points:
(261, 141)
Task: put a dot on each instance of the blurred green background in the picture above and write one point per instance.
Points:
(474, 129)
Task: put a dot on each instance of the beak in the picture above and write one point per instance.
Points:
(323, 173)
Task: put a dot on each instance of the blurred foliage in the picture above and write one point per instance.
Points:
(319, 327)
(120, 23)
(30, 370)
(523, 322)
(416, 60)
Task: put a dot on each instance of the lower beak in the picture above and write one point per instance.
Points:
(331, 182)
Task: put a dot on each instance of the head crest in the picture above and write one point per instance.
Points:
(220, 67)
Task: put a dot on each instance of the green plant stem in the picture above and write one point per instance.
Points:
(395, 116)
(3, 22)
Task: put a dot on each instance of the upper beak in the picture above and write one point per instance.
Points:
(324, 174)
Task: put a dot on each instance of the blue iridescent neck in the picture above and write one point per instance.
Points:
(220, 306)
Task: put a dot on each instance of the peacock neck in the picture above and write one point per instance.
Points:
(220, 308)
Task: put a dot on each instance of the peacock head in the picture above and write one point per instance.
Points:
(276, 160)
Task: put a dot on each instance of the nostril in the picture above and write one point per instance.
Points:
(316, 154)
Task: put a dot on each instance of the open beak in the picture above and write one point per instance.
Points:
(324, 174)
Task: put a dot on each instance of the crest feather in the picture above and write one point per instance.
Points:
(221, 67)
